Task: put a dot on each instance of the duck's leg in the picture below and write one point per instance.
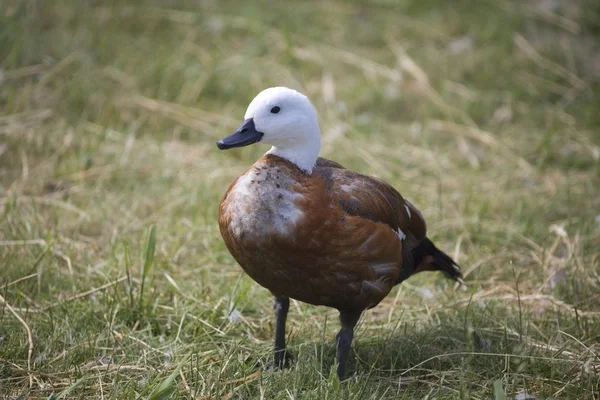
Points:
(281, 306)
(348, 319)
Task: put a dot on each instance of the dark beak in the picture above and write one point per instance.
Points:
(244, 135)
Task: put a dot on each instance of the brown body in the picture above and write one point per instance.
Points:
(333, 237)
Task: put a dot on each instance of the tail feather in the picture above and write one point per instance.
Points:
(426, 257)
(447, 265)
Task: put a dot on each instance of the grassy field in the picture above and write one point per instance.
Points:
(485, 114)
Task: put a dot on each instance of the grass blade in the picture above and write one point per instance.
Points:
(148, 260)
(498, 390)
(166, 388)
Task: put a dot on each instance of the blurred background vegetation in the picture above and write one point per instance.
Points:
(485, 114)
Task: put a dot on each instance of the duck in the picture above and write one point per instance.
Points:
(306, 228)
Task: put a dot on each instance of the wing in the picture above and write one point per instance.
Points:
(372, 199)
(323, 162)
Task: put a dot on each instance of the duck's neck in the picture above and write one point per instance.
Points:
(304, 155)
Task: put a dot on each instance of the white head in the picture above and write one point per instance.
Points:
(285, 119)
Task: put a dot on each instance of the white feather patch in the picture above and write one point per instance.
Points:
(401, 234)
(263, 203)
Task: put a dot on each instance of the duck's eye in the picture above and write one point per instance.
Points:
(275, 110)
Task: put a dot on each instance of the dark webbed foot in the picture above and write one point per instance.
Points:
(282, 360)
(344, 338)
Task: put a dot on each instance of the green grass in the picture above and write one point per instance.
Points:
(485, 114)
